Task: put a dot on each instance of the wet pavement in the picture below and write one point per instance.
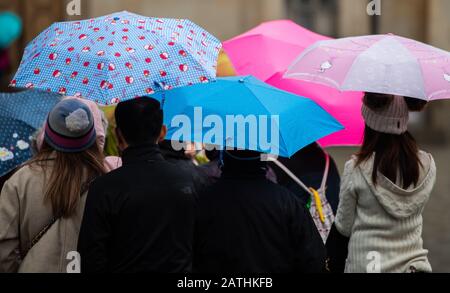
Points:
(436, 230)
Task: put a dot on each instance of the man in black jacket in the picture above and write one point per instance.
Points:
(140, 217)
(247, 224)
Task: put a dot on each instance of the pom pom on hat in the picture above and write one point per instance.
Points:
(70, 127)
(77, 121)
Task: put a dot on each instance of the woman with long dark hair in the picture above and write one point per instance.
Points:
(41, 205)
(384, 189)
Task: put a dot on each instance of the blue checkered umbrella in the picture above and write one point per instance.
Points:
(118, 56)
(21, 114)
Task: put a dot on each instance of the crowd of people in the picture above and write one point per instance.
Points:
(153, 210)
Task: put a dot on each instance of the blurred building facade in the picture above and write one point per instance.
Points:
(424, 20)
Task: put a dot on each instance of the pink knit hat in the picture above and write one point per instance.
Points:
(392, 119)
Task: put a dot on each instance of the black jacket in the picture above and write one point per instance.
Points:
(140, 217)
(308, 165)
(247, 224)
(183, 162)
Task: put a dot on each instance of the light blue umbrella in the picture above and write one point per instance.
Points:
(117, 57)
(21, 114)
(244, 113)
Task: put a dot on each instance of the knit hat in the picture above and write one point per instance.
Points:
(70, 127)
(392, 119)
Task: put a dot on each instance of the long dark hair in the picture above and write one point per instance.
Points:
(395, 155)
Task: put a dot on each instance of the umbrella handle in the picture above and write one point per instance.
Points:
(163, 98)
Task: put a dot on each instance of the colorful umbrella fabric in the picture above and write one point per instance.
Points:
(118, 57)
(21, 114)
(267, 51)
(269, 48)
(385, 64)
(239, 112)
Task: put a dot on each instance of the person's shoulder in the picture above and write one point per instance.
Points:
(27, 171)
(427, 161)
(110, 178)
(351, 163)
(28, 175)
(281, 191)
(425, 157)
(287, 199)
(175, 171)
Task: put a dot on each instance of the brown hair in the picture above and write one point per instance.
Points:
(395, 155)
(70, 174)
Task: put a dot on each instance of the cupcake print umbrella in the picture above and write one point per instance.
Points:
(117, 57)
(267, 51)
(385, 64)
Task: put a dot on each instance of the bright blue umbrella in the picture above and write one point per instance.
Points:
(21, 114)
(117, 57)
(244, 113)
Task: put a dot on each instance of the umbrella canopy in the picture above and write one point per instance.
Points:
(269, 48)
(385, 64)
(245, 113)
(345, 107)
(267, 51)
(118, 56)
(21, 114)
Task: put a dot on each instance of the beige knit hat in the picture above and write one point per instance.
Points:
(392, 119)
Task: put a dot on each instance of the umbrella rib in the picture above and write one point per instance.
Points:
(194, 56)
(259, 101)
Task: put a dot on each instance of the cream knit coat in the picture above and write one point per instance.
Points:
(384, 222)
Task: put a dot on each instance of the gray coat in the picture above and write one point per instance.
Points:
(384, 222)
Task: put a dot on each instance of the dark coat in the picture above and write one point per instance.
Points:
(308, 165)
(178, 158)
(140, 217)
(337, 251)
(247, 224)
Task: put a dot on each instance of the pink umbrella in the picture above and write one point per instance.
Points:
(385, 64)
(266, 52)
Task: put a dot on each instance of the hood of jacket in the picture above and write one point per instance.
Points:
(397, 201)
